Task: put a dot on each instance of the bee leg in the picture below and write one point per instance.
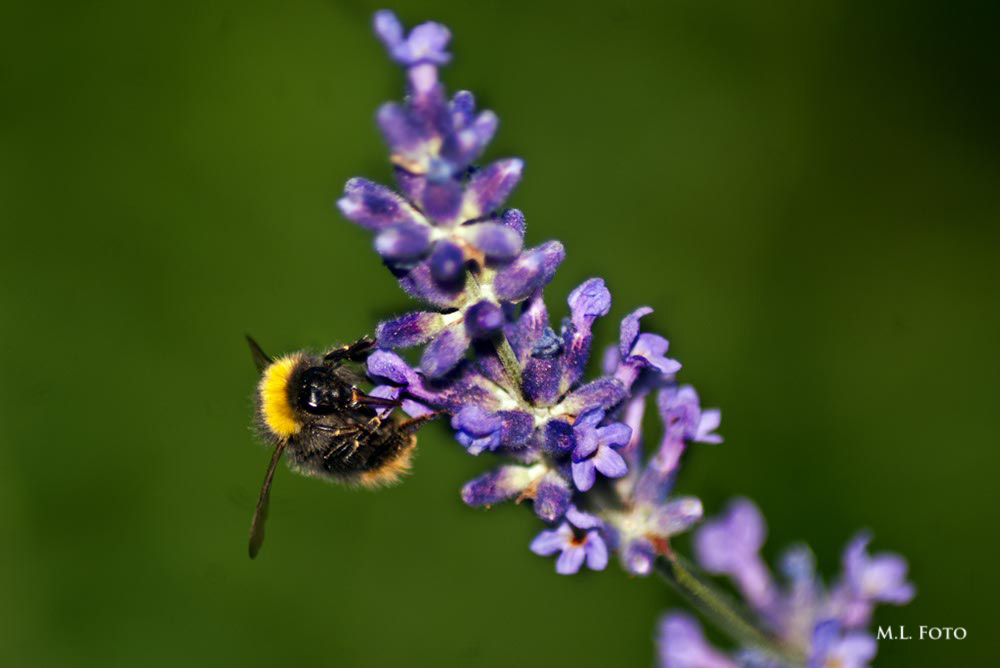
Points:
(356, 352)
(372, 424)
(336, 433)
(369, 425)
(350, 447)
(332, 451)
(411, 425)
(361, 349)
(342, 446)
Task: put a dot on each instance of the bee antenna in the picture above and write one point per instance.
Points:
(260, 358)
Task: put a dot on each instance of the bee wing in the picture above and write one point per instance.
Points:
(260, 513)
(351, 376)
(260, 358)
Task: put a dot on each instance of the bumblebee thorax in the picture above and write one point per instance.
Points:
(318, 391)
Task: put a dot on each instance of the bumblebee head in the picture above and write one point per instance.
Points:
(293, 388)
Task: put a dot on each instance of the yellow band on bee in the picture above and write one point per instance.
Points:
(274, 403)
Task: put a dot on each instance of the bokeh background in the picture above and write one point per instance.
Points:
(807, 193)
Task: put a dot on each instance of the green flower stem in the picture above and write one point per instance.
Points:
(504, 350)
(717, 607)
(509, 360)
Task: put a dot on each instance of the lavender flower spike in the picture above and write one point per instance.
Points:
(515, 388)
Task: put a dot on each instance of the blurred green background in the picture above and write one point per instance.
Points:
(806, 192)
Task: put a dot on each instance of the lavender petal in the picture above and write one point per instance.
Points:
(374, 206)
(558, 436)
(483, 319)
(441, 200)
(708, 422)
(425, 44)
(444, 352)
(552, 496)
(389, 365)
(610, 463)
(551, 541)
(477, 422)
(596, 551)
(497, 486)
(630, 330)
(540, 380)
(587, 302)
(409, 330)
(682, 645)
(582, 520)
(513, 219)
(496, 241)
(529, 327)
(490, 186)
(419, 282)
(388, 28)
(638, 556)
(515, 428)
(447, 263)
(402, 134)
(615, 434)
(532, 270)
(584, 474)
(651, 348)
(677, 515)
(570, 560)
(403, 242)
(603, 393)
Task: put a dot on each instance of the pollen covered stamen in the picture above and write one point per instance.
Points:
(275, 407)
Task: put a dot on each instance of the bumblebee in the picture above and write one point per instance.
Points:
(310, 407)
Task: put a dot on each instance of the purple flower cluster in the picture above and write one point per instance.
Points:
(512, 384)
(827, 626)
(448, 218)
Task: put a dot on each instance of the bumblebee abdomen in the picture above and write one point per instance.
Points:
(380, 460)
(370, 457)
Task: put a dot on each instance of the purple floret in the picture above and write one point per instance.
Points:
(595, 450)
(681, 644)
(531, 271)
(730, 545)
(424, 44)
(639, 352)
(868, 580)
(574, 549)
(832, 646)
